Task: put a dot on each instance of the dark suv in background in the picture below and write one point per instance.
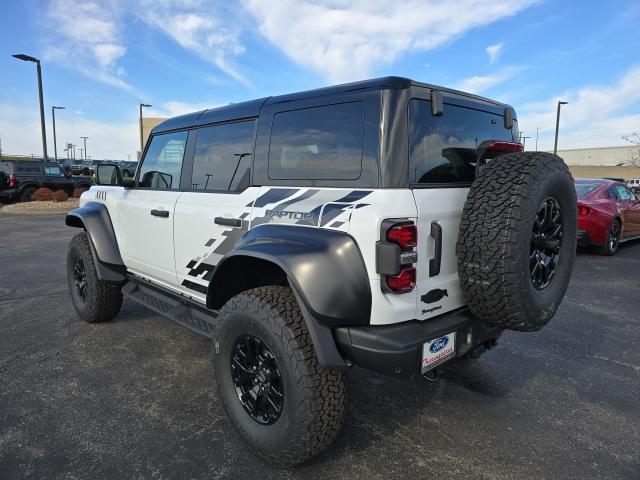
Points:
(19, 179)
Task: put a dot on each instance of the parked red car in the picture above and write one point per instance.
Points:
(608, 213)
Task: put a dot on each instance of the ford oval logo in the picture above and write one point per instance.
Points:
(438, 344)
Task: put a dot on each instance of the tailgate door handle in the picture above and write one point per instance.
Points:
(434, 263)
(230, 222)
(160, 213)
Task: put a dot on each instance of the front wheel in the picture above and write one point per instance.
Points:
(612, 241)
(95, 300)
(281, 402)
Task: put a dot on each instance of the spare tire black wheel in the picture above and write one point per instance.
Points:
(517, 240)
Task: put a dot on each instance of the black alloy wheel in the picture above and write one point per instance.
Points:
(257, 379)
(546, 242)
(613, 239)
(80, 279)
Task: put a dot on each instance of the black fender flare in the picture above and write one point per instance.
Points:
(325, 270)
(324, 267)
(96, 221)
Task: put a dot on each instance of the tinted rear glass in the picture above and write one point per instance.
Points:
(28, 169)
(442, 149)
(319, 143)
(584, 189)
(220, 152)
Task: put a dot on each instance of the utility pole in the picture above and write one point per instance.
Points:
(537, 134)
(555, 145)
(523, 139)
(28, 58)
(73, 150)
(55, 143)
(141, 136)
(85, 146)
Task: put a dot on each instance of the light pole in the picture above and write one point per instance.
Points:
(27, 58)
(537, 133)
(53, 118)
(141, 140)
(73, 150)
(555, 145)
(85, 146)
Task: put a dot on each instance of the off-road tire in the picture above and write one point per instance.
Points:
(495, 239)
(103, 299)
(25, 194)
(608, 248)
(314, 397)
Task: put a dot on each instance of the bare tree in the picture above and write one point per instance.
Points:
(634, 139)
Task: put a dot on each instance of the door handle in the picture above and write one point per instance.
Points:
(230, 222)
(434, 263)
(160, 213)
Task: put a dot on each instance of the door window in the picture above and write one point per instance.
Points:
(53, 171)
(162, 164)
(442, 149)
(222, 157)
(623, 193)
(319, 143)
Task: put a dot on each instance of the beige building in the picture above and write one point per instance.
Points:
(601, 162)
(147, 125)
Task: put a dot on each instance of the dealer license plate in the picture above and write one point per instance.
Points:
(437, 351)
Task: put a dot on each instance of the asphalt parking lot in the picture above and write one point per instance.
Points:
(134, 398)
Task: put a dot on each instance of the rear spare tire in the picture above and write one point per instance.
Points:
(517, 240)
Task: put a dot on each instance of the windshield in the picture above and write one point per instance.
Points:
(584, 189)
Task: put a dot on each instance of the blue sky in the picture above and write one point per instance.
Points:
(101, 58)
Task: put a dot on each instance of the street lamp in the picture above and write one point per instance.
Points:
(537, 134)
(27, 58)
(141, 140)
(85, 146)
(555, 145)
(53, 117)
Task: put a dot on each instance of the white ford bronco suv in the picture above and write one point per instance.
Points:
(388, 224)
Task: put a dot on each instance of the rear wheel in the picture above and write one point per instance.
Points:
(27, 192)
(517, 240)
(282, 403)
(95, 300)
(612, 241)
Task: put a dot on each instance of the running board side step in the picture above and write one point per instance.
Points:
(168, 306)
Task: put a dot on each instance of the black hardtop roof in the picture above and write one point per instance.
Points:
(235, 111)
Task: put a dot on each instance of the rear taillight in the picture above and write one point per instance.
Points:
(12, 181)
(505, 147)
(583, 210)
(404, 281)
(405, 236)
(397, 257)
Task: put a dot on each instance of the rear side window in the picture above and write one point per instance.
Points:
(162, 163)
(442, 149)
(319, 143)
(584, 189)
(28, 169)
(222, 157)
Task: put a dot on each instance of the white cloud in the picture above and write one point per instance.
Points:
(596, 116)
(86, 36)
(20, 130)
(196, 25)
(174, 108)
(347, 40)
(481, 83)
(494, 52)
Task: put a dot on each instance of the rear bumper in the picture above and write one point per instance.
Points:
(584, 239)
(397, 349)
(8, 193)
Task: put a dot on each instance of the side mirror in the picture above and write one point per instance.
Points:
(108, 174)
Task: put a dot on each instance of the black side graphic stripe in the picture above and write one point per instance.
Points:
(273, 195)
(195, 286)
(281, 206)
